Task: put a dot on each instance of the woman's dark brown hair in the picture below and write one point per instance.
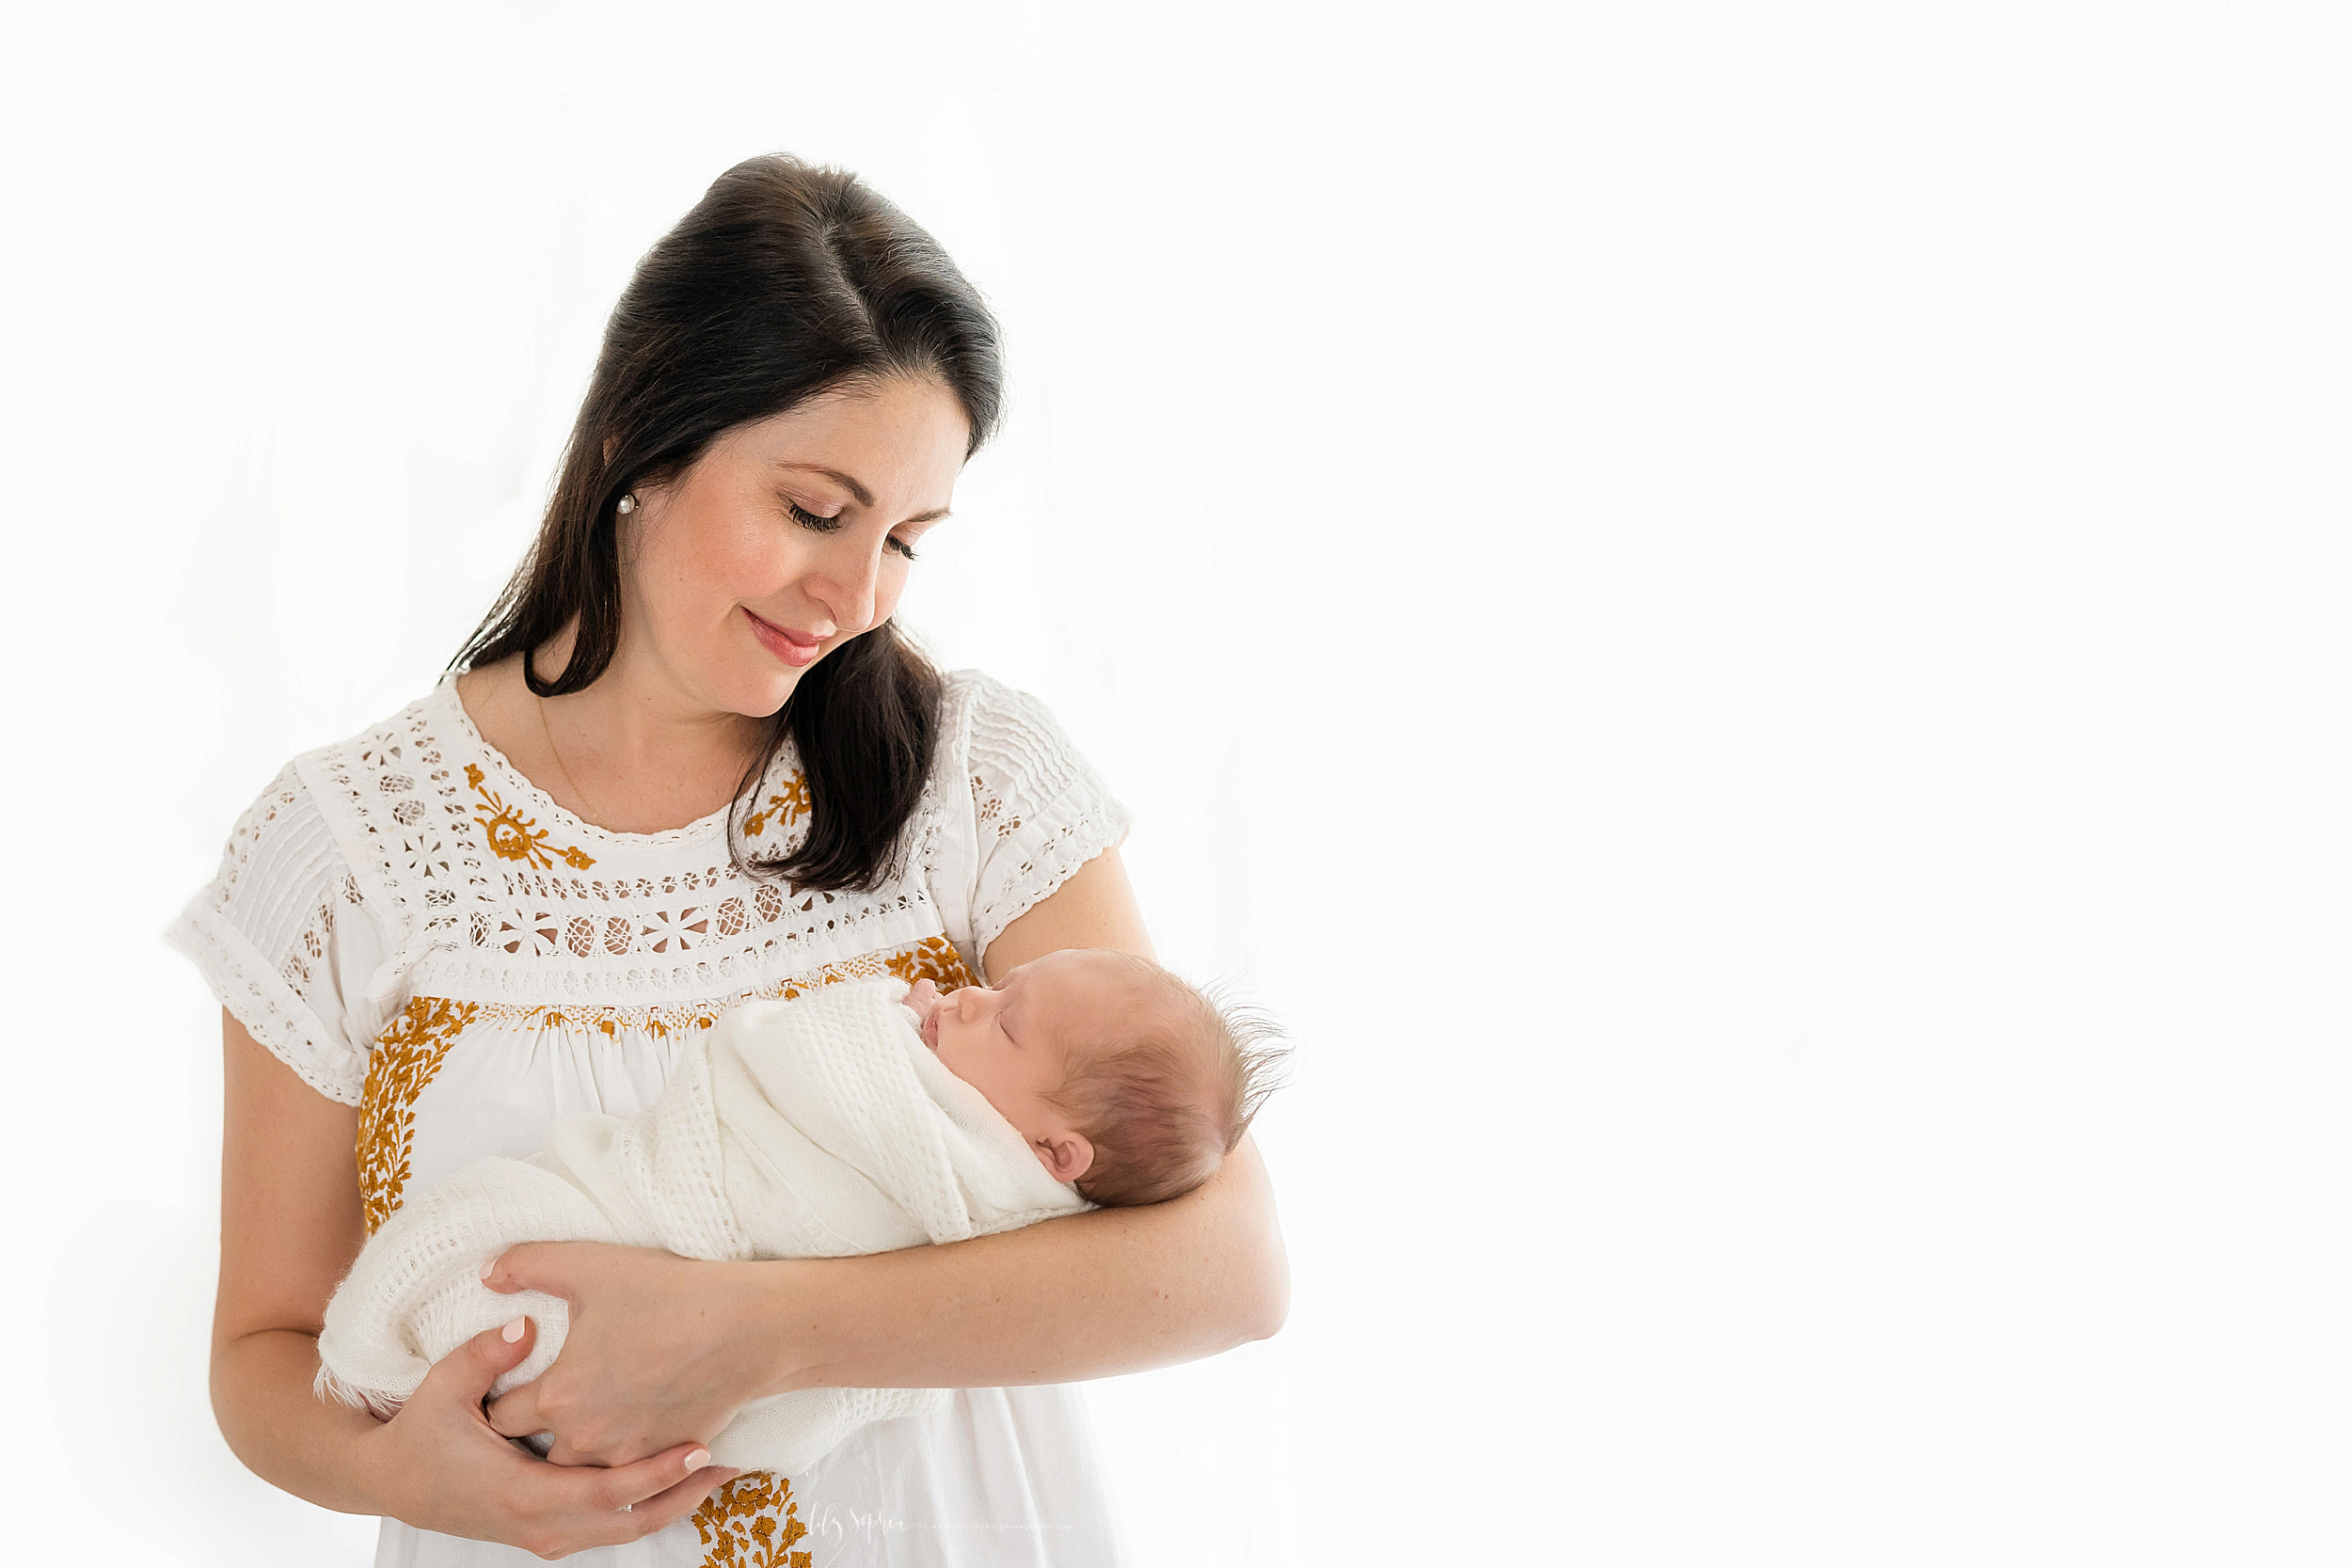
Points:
(785, 283)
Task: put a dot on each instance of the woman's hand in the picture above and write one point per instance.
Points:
(290, 1228)
(448, 1470)
(661, 1350)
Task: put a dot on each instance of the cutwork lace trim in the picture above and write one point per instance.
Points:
(485, 895)
(469, 872)
(268, 1006)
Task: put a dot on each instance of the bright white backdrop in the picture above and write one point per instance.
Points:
(1735, 613)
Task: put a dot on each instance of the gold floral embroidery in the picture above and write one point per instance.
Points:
(871, 967)
(652, 1022)
(787, 809)
(751, 1522)
(516, 837)
(406, 1055)
(934, 958)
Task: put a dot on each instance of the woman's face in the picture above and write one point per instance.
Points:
(787, 537)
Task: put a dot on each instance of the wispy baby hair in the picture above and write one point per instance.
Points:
(1168, 1088)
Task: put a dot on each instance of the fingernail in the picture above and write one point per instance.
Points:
(487, 1264)
(512, 1332)
(699, 1458)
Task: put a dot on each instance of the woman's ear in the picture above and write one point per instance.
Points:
(1066, 1156)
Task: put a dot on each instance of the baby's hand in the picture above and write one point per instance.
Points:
(920, 1000)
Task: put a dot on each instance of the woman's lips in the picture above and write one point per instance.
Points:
(797, 648)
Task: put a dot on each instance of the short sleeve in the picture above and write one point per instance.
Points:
(1025, 813)
(286, 940)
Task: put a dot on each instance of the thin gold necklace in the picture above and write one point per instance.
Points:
(548, 730)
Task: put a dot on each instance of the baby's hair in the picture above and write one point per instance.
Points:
(1165, 1092)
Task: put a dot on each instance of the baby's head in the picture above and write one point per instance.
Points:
(1123, 1079)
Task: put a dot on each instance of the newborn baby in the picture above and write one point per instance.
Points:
(862, 1118)
(1122, 1080)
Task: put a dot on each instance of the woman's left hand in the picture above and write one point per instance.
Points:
(660, 1349)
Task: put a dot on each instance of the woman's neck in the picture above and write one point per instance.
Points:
(631, 753)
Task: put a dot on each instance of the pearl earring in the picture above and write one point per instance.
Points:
(628, 504)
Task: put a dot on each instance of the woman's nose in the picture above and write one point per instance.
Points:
(846, 584)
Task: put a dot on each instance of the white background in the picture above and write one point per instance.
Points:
(1736, 613)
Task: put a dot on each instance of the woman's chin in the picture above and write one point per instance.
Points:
(767, 679)
(757, 694)
(779, 692)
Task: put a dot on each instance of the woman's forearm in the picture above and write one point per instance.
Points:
(282, 1432)
(1090, 1296)
(289, 1225)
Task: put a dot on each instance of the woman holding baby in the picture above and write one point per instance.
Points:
(691, 762)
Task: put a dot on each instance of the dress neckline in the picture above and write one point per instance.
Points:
(701, 828)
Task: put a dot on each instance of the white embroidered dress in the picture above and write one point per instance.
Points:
(415, 929)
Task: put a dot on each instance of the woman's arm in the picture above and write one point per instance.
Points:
(1088, 1295)
(290, 1226)
(1093, 1295)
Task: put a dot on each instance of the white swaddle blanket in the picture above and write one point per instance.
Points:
(817, 1128)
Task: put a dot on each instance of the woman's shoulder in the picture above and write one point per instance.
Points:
(298, 925)
(384, 747)
(966, 692)
(366, 809)
(996, 728)
(412, 740)
(1018, 807)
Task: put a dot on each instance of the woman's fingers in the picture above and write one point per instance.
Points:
(470, 1370)
(516, 1413)
(515, 1497)
(528, 1266)
(658, 1346)
(644, 1485)
(674, 1503)
(635, 1500)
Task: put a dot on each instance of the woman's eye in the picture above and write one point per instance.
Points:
(815, 524)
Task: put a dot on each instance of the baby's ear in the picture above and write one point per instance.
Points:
(1066, 1156)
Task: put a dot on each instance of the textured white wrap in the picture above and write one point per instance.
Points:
(817, 1128)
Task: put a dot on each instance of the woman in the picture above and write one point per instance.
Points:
(690, 762)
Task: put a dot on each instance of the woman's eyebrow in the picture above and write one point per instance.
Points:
(859, 492)
(865, 496)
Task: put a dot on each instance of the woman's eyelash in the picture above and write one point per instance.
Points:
(809, 520)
